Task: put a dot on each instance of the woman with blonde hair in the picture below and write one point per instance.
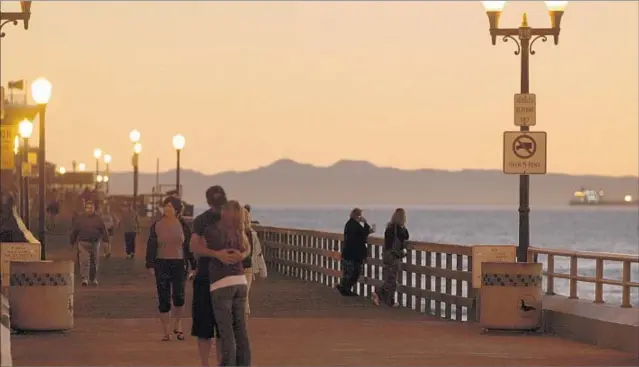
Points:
(254, 264)
(228, 285)
(395, 238)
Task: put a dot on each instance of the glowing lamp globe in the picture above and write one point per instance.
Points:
(556, 5)
(494, 5)
(179, 142)
(41, 91)
(25, 128)
(97, 153)
(134, 136)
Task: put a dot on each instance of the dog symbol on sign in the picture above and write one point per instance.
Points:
(524, 146)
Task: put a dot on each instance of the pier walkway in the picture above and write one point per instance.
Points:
(293, 322)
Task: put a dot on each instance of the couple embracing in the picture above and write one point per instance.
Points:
(222, 245)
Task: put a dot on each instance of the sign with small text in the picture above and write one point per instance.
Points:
(525, 110)
(525, 152)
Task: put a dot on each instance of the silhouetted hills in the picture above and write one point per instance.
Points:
(286, 182)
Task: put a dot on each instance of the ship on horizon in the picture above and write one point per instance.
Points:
(588, 197)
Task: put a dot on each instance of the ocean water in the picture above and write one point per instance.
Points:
(599, 229)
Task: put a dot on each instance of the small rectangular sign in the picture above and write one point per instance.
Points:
(525, 152)
(525, 110)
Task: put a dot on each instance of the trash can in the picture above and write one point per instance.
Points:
(41, 295)
(510, 296)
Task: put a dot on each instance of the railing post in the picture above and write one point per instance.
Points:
(625, 288)
(599, 270)
(573, 277)
(550, 277)
(449, 286)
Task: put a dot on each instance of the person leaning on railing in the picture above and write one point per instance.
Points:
(395, 240)
(354, 251)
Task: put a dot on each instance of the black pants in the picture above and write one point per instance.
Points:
(351, 271)
(204, 325)
(129, 242)
(170, 276)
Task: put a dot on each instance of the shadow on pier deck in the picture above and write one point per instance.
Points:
(293, 322)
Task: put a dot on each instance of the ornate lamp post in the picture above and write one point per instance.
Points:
(13, 17)
(524, 38)
(97, 154)
(178, 144)
(135, 136)
(41, 94)
(25, 128)
(107, 160)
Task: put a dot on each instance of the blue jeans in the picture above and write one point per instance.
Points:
(229, 308)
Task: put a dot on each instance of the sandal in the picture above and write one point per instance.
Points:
(166, 338)
(179, 334)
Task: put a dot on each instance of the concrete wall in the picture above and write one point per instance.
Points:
(604, 325)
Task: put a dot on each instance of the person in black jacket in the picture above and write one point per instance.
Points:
(354, 251)
(395, 241)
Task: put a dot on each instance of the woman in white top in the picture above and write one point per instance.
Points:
(254, 264)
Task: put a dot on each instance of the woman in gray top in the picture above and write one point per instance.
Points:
(168, 257)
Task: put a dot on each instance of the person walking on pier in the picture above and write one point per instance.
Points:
(204, 327)
(110, 222)
(229, 286)
(86, 233)
(254, 263)
(354, 251)
(168, 258)
(130, 225)
(395, 238)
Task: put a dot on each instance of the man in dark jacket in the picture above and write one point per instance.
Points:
(87, 232)
(354, 251)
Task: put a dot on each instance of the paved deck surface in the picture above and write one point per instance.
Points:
(293, 323)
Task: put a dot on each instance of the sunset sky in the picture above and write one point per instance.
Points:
(409, 85)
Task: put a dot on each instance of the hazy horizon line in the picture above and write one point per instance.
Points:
(434, 207)
(182, 169)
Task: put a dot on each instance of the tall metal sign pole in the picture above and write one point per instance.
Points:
(521, 147)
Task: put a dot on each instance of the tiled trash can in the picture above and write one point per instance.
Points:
(510, 296)
(41, 295)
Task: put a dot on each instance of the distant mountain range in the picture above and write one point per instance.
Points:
(286, 182)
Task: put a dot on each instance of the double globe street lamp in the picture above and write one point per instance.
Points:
(135, 136)
(97, 154)
(524, 38)
(107, 161)
(41, 94)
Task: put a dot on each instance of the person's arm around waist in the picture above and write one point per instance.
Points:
(197, 247)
